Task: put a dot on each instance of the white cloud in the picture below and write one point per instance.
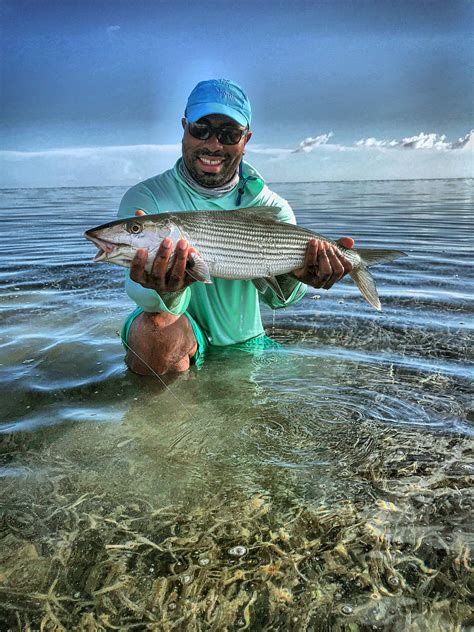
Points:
(421, 141)
(305, 146)
(425, 141)
(373, 142)
(431, 141)
(309, 143)
(317, 158)
(466, 142)
(268, 151)
(84, 166)
(113, 29)
(321, 160)
(84, 152)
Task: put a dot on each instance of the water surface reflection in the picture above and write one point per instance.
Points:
(325, 484)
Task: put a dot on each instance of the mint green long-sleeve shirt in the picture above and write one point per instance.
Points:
(227, 311)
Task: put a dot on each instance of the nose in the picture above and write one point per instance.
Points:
(213, 144)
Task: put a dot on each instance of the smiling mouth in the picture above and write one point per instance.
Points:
(211, 161)
(211, 164)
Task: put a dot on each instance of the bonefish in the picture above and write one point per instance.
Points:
(247, 244)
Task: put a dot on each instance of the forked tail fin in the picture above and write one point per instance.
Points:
(363, 278)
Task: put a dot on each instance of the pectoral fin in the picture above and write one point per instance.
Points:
(263, 284)
(198, 269)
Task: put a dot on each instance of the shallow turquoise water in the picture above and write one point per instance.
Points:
(350, 392)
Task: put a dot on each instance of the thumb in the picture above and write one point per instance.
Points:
(139, 212)
(346, 242)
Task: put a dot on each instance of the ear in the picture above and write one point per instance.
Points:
(183, 122)
(248, 136)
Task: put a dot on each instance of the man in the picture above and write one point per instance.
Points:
(177, 319)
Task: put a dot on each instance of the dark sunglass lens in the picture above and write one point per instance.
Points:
(225, 135)
(229, 135)
(199, 130)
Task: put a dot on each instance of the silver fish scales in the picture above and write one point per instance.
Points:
(244, 248)
(242, 244)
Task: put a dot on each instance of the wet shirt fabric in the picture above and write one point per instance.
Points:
(227, 310)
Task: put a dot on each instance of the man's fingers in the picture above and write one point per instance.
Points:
(335, 262)
(177, 272)
(160, 264)
(139, 213)
(344, 261)
(190, 263)
(168, 271)
(311, 255)
(323, 265)
(137, 267)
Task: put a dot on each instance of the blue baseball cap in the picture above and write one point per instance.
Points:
(218, 96)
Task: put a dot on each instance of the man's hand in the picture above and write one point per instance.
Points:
(160, 278)
(324, 263)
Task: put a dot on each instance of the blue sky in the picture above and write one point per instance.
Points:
(93, 92)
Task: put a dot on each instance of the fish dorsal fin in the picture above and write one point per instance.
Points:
(267, 212)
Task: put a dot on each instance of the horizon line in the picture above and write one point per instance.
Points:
(115, 186)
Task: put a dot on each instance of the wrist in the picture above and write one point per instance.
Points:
(175, 302)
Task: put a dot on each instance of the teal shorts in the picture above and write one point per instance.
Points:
(257, 343)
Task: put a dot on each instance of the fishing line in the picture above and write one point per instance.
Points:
(156, 375)
(188, 431)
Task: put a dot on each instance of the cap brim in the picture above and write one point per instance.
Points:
(195, 112)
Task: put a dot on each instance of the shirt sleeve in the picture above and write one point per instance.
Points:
(139, 197)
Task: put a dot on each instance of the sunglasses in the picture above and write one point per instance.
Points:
(225, 134)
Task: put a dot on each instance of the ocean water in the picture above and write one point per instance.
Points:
(323, 485)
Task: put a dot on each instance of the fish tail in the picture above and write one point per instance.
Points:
(366, 284)
(373, 256)
(363, 278)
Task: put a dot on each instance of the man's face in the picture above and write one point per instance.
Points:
(211, 163)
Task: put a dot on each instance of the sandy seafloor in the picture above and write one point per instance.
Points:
(322, 485)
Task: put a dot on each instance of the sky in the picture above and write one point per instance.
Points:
(92, 93)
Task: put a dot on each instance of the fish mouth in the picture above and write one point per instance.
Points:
(104, 248)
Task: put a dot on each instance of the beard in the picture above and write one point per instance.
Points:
(211, 180)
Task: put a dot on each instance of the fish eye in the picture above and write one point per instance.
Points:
(134, 228)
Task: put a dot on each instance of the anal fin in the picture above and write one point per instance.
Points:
(263, 284)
